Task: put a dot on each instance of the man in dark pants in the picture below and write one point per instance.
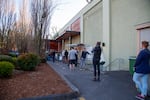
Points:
(53, 55)
(96, 61)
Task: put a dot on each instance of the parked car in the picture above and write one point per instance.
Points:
(14, 53)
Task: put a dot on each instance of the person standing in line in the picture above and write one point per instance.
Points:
(66, 56)
(53, 55)
(96, 61)
(142, 70)
(72, 58)
(83, 57)
(63, 56)
(76, 61)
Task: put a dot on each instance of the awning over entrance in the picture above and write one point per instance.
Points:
(67, 34)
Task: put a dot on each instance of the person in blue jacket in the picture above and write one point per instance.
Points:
(142, 70)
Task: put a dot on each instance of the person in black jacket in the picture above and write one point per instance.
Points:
(96, 61)
(66, 56)
(142, 70)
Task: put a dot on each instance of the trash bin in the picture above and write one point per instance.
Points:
(132, 60)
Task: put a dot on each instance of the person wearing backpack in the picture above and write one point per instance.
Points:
(142, 71)
(96, 61)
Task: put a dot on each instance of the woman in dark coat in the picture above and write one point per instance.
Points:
(142, 70)
(96, 61)
(66, 56)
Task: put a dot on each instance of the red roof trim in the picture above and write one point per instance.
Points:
(67, 34)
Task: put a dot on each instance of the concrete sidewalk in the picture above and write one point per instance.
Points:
(116, 85)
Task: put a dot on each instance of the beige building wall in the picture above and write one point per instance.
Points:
(66, 44)
(76, 39)
(92, 25)
(125, 14)
(121, 38)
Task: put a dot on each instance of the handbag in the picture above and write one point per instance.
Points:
(102, 60)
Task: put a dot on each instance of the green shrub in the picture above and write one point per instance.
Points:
(6, 69)
(7, 58)
(42, 60)
(28, 62)
(15, 61)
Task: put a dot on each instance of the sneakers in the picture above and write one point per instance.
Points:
(140, 97)
(96, 79)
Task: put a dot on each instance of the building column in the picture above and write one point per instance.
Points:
(63, 44)
(106, 31)
(59, 49)
(70, 40)
(81, 29)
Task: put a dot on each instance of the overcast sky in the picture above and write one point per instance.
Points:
(65, 11)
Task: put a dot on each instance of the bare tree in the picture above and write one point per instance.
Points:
(54, 30)
(41, 12)
(23, 28)
(7, 20)
(1, 3)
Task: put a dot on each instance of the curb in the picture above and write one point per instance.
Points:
(68, 96)
(75, 93)
(73, 87)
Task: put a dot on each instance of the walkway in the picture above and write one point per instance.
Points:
(115, 85)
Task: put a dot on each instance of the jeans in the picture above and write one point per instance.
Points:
(96, 66)
(141, 81)
(82, 62)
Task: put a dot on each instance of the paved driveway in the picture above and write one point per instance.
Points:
(116, 85)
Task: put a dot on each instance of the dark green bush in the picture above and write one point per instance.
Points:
(15, 61)
(28, 62)
(7, 58)
(42, 60)
(6, 69)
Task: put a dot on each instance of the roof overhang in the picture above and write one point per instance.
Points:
(67, 34)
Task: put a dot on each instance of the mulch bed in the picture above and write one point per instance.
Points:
(41, 82)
